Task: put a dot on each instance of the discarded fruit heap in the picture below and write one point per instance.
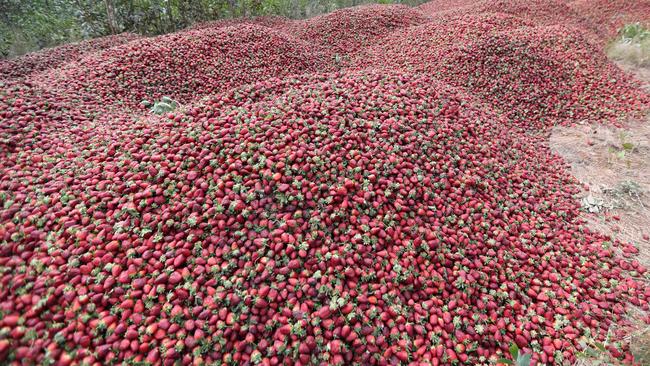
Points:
(399, 210)
(347, 31)
(325, 220)
(53, 57)
(537, 75)
(187, 65)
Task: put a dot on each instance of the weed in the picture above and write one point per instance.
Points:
(632, 45)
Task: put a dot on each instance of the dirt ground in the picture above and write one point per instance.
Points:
(614, 166)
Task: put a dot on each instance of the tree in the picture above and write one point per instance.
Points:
(110, 16)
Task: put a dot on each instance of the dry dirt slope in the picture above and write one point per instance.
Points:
(613, 163)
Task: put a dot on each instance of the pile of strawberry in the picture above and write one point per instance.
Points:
(598, 20)
(337, 218)
(535, 75)
(446, 7)
(31, 63)
(609, 15)
(187, 65)
(275, 22)
(345, 32)
(404, 209)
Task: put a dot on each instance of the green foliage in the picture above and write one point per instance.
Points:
(634, 32)
(27, 26)
(632, 45)
(520, 359)
(165, 105)
(595, 352)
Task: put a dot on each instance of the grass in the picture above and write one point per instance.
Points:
(632, 45)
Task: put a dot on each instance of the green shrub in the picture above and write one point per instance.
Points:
(632, 45)
(634, 32)
(166, 104)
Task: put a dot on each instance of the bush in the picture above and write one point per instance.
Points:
(632, 45)
(634, 32)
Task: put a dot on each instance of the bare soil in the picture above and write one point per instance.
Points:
(614, 166)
